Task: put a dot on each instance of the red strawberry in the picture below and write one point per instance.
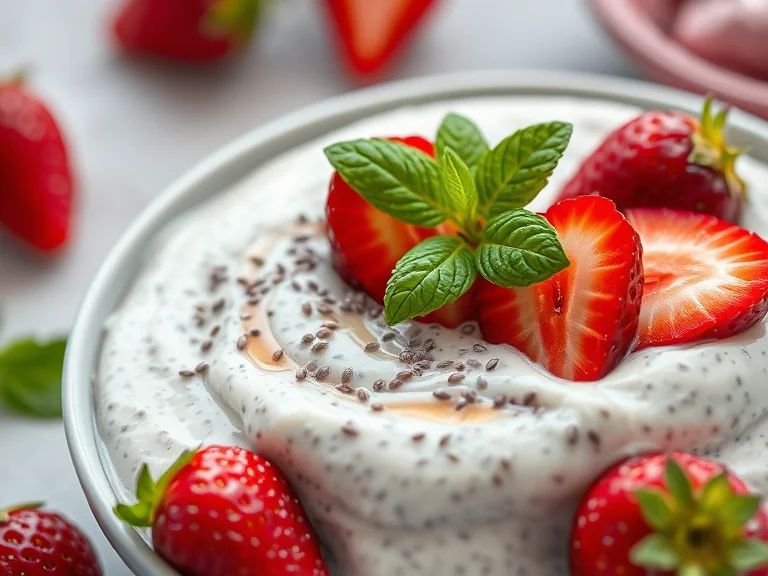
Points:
(370, 34)
(34, 542)
(186, 30)
(224, 511)
(36, 184)
(669, 515)
(580, 322)
(665, 159)
(704, 278)
(367, 243)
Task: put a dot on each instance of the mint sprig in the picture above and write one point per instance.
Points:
(482, 191)
(30, 377)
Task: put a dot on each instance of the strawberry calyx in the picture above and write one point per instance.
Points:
(5, 514)
(710, 148)
(234, 19)
(698, 534)
(149, 493)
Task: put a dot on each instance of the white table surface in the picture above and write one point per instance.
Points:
(134, 127)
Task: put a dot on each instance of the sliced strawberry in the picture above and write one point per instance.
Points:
(371, 33)
(367, 243)
(36, 182)
(579, 323)
(704, 278)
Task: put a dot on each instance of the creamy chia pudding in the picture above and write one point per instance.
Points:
(415, 449)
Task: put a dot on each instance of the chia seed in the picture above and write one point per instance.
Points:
(215, 330)
(418, 437)
(388, 337)
(441, 395)
(242, 342)
(186, 373)
(481, 383)
(346, 376)
(378, 385)
(323, 373)
(472, 363)
(468, 329)
(491, 364)
(372, 346)
(323, 333)
(395, 384)
(350, 430)
(455, 378)
(499, 401)
(306, 309)
(320, 346)
(572, 435)
(255, 332)
(377, 407)
(206, 345)
(301, 374)
(330, 325)
(311, 366)
(277, 355)
(202, 367)
(444, 364)
(479, 348)
(363, 394)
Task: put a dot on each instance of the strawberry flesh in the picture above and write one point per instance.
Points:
(367, 243)
(36, 183)
(645, 164)
(371, 34)
(704, 278)
(580, 322)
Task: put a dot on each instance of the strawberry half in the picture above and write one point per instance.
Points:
(367, 243)
(704, 278)
(371, 33)
(36, 182)
(579, 323)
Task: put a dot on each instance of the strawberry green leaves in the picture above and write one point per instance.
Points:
(30, 377)
(481, 191)
(519, 248)
(434, 273)
(515, 171)
(396, 179)
(698, 534)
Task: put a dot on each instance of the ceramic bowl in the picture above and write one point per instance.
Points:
(229, 165)
(666, 61)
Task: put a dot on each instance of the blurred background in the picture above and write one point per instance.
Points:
(132, 122)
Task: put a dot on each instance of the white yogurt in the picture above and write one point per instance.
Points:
(418, 488)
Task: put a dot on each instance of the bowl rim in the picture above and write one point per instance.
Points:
(236, 159)
(656, 52)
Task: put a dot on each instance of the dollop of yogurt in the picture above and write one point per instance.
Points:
(416, 450)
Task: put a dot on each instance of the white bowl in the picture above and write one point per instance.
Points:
(230, 164)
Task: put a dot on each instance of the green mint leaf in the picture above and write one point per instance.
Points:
(519, 248)
(463, 137)
(432, 274)
(30, 377)
(677, 483)
(515, 171)
(749, 555)
(395, 178)
(460, 194)
(715, 493)
(655, 508)
(654, 552)
(739, 508)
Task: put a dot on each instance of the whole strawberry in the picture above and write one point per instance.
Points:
(186, 30)
(224, 511)
(36, 183)
(666, 515)
(34, 542)
(666, 159)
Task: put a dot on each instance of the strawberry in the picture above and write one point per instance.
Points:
(35, 542)
(223, 511)
(370, 34)
(665, 515)
(186, 30)
(580, 322)
(36, 183)
(367, 243)
(666, 159)
(704, 278)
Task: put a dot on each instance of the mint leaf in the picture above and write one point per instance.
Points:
(432, 274)
(395, 178)
(654, 552)
(460, 194)
(519, 248)
(464, 137)
(30, 377)
(515, 171)
(749, 555)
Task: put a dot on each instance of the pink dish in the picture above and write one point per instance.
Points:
(664, 60)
